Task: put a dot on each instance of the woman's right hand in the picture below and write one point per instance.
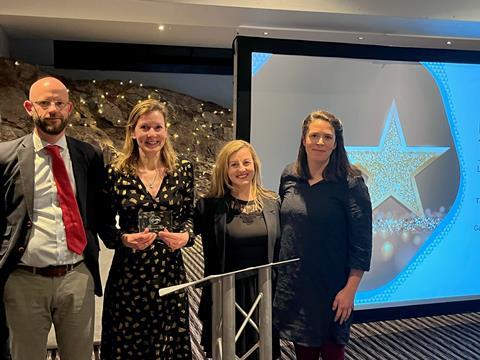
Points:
(139, 241)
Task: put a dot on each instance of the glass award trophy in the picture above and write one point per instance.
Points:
(155, 221)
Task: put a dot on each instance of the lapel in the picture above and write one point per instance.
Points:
(220, 221)
(79, 165)
(271, 222)
(26, 158)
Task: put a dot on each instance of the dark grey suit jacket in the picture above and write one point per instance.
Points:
(16, 200)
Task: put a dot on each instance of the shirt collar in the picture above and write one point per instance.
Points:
(39, 144)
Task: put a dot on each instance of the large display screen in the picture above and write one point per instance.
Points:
(413, 127)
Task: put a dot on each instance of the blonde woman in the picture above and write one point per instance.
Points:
(238, 221)
(147, 179)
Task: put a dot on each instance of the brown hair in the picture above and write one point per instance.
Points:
(338, 166)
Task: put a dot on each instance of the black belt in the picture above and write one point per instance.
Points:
(50, 271)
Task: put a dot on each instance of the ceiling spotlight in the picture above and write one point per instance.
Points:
(360, 38)
(448, 42)
(265, 33)
(161, 27)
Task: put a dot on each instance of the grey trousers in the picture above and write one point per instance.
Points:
(34, 302)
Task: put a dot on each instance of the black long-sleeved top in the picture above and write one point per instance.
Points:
(327, 225)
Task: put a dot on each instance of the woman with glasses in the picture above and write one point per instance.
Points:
(151, 191)
(238, 221)
(326, 219)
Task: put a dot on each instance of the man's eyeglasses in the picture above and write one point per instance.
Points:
(45, 104)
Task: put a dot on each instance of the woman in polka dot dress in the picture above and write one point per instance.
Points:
(147, 179)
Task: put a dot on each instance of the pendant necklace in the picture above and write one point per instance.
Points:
(150, 186)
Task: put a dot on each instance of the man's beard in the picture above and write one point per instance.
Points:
(53, 128)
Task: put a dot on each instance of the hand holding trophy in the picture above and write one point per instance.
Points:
(140, 240)
(174, 240)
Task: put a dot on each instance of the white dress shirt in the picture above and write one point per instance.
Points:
(47, 244)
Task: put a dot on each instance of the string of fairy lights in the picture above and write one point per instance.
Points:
(108, 97)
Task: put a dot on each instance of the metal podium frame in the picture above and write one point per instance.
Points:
(224, 306)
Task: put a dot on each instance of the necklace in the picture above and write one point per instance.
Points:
(149, 183)
(243, 206)
(154, 179)
(247, 211)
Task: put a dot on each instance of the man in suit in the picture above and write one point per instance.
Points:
(48, 231)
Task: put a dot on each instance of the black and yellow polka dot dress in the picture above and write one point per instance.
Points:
(136, 322)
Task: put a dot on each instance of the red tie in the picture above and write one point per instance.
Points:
(74, 230)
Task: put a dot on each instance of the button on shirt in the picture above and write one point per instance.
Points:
(47, 244)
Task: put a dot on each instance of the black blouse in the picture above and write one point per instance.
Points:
(328, 226)
(246, 237)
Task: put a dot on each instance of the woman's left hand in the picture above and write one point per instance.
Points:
(174, 240)
(343, 305)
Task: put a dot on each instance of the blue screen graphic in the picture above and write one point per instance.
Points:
(414, 130)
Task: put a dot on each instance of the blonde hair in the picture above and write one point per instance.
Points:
(221, 184)
(128, 158)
